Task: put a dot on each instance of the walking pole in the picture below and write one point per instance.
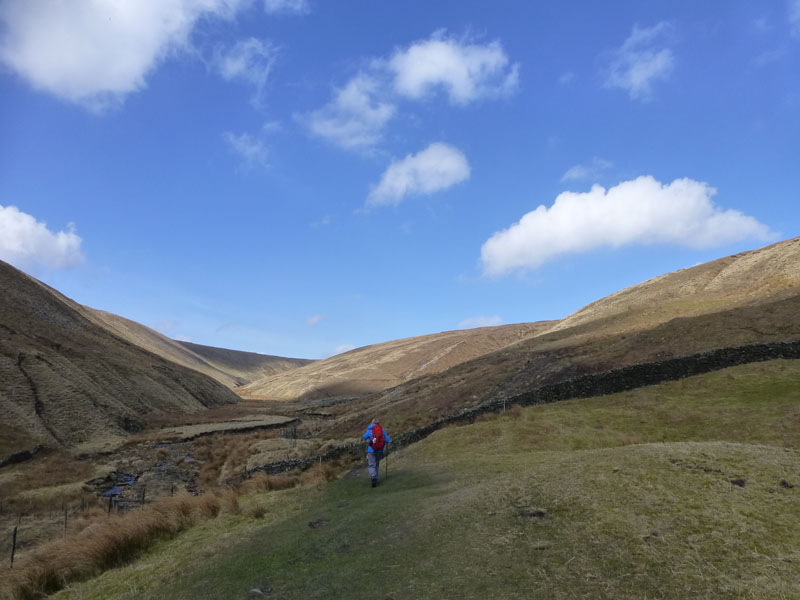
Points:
(386, 474)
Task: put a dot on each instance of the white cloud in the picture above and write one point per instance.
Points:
(590, 171)
(466, 71)
(482, 321)
(249, 60)
(641, 211)
(300, 7)
(794, 17)
(314, 320)
(94, 53)
(27, 243)
(355, 118)
(436, 168)
(250, 148)
(358, 113)
(641, 61)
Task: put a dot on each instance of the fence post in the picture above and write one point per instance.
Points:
(65, 522)
(143, 490)
(13, 546)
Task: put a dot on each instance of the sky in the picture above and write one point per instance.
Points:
(303, 177)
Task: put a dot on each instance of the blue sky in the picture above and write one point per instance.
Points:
(299, 177)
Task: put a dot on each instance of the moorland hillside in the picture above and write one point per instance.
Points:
(748, 298)
(388, 364)
(66, 380)
(230, 367)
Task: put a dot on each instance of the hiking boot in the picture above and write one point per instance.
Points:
(374, 482)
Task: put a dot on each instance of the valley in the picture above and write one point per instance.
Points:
(524, 440)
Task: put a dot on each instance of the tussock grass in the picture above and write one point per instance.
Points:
(106, 542)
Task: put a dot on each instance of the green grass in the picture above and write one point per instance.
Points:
(624, 496)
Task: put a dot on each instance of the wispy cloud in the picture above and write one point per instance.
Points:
(465, 71)
(641, 61)
(355, 118)
(482, 321)
(314, 320)
(27, 243)
(566, 78)
(166, 326)
(95, 53)
(794, 17)
(590, 171)
(323, 222)
(433, 169)
(343, 348)
(250, 148)
(250, 61)
(299, 7)
(640, 211)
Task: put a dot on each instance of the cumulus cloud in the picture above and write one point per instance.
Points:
(641, 61)
(591, 171)
(358, 113)
(436, 168)
(300, 7)
(252, 149)
(464, 70)
(355, 118)
(94, 53)
(640, 211)
(250, 61)
(482, 321)
(27, 243)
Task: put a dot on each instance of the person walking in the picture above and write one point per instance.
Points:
(377, 440)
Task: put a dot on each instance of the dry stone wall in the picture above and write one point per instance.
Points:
(585, 386)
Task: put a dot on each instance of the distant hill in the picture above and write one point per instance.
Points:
(381, 366)
(70, 375)
(230, 367)
(751, 297)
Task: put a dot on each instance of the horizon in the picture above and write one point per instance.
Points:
(240, 174)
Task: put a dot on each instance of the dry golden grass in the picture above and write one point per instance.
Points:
(381, 366)
(104, 542)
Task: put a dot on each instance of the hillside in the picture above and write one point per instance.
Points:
(744, 279)
(66, 380)
(686, 489)
(381, 366)
(752, 297)
(230, 367)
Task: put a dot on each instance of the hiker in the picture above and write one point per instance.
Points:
(377, 438)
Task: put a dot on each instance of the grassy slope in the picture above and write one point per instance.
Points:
(636, 492)
(381, 366)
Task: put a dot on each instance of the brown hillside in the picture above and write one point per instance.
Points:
(381, 366)
(230, 367)
(738, 280)
(245, 366)
(752, 297)
(66, 380)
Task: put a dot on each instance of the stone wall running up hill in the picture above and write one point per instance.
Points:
(585, 386)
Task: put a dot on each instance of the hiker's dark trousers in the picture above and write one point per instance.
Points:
(373, 460)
